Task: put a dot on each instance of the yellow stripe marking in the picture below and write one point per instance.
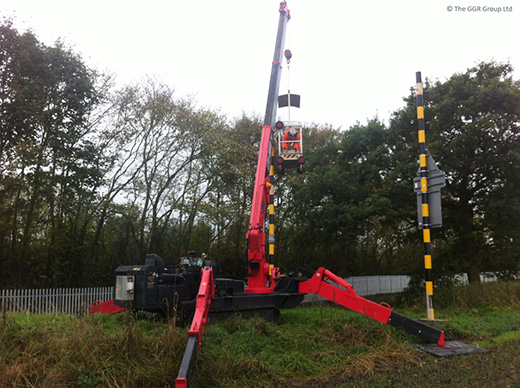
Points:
(271, 228)
(420, 112)
(424, 185)
(426, 235)
(271, 252)
(271, 209)
(429, 288)
(425, 210)
(427, 261)
(419, 88)
(422, 136)
(422, 160)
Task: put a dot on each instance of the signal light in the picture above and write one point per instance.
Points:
(301, 160)
(279, 125)
(279, 160)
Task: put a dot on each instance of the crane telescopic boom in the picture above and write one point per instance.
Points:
(276, 69)
(262, 274)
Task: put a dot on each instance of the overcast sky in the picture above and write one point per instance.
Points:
(351, 60)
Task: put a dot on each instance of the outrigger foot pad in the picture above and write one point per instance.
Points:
(452, 348)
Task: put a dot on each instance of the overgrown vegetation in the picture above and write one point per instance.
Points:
(314, 346)
(65, 351)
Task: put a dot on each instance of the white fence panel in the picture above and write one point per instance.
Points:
(59, 300)
(370, 285)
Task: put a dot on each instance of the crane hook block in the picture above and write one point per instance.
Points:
(288, 55)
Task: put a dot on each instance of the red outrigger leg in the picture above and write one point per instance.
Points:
(343, 293)
(204, 298)
(107, 307)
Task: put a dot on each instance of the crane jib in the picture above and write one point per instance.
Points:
(276, 69)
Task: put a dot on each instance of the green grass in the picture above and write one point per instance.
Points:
(317, 346)
(64, 351)
(309, 344)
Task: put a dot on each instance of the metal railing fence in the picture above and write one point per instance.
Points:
(74, 301)
(371, 285)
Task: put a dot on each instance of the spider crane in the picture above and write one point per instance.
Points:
(191, 290)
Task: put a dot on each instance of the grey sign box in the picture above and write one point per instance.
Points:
(436, 181)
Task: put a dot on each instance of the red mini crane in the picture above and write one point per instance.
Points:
(190, 289)
(264, 283)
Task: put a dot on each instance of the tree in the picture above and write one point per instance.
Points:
(50, 166)
(164, 146)
(347, 203)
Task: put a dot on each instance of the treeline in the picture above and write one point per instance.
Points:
(93, 176)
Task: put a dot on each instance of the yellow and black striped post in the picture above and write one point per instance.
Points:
(271, 209)
(423, 172)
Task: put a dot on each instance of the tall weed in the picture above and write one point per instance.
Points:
(495, 294)
(93, 351)
(468, 296)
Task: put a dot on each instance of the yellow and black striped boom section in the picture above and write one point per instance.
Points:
(271, 210)
(423, 173)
